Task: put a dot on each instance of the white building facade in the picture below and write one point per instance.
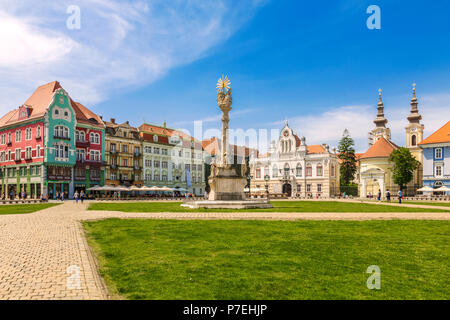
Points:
(294, 169)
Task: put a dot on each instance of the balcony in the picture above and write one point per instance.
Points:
(137, 154)
(61, 137)
(137, 167)
(113, 166)
(83, 144)
(113, 151)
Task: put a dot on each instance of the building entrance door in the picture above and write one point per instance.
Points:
(287, 189)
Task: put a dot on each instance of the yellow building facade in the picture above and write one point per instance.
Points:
(123, 154)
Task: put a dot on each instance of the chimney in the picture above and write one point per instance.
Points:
(113, 120)
(101, 117)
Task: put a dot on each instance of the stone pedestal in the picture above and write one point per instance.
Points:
(226, 185)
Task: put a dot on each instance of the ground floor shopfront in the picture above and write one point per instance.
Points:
(310, 188)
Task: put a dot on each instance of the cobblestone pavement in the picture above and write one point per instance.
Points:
(42, 253)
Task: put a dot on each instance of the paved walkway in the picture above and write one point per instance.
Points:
(44, 255)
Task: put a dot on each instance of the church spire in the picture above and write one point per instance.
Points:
(380, 121)
(414, 116)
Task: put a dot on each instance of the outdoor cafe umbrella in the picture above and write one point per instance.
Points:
(135, 188)
(442, 189)
(165, 188)
(426, 189)
(94, 188)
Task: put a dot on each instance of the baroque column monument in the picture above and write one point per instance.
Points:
(227, 180)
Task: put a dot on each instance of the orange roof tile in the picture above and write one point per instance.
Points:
(39, 101)
(439, 136)
(381, 149)
(317, 148)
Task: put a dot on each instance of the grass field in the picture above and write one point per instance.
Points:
(441, 204)
(279, 206)
(24, 208)
(223, 259)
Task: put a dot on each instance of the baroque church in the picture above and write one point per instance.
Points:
(374, 167)
(293, 168)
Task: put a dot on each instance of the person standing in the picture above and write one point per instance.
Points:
(400, 195)
(75, 196)
(82, 196)
(62, 196)
(379, 195)
(388, 195)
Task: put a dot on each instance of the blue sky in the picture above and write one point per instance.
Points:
(313, 62)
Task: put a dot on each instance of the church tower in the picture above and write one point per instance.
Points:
(380, 121)
(414, 135)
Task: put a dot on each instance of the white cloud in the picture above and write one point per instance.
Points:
(121, 44)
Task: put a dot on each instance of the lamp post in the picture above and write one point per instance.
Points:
(267, 178)
(249, 179)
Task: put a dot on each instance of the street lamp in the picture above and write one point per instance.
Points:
(249, 179)
(267, 178)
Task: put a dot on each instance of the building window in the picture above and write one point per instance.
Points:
(17, 154)
(413, 140)
(61, 132)
(125, 163)
(266, 171)
(156, 164)
(298, 170)
(258, 173)
(319, 170)
(95, 138)
(333, 170)
(156, 150)
(113, 176)
(28, 153)
(308, 171)
(38, 151)
(275, 171)
(299, 188)
(3, 139)
(9, 137)
(125, 148)
(28, 134)
(38, 132)
(319, 188)
(308, 188)
(438, 171)
(438, 153)
(18, 136)
(164, 164)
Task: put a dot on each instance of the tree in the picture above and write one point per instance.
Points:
(346, 153)
(404, 165)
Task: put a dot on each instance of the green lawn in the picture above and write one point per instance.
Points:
(241, 259)
(24, 208)
(279, 206)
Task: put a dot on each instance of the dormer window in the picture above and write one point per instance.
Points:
(66, 114)
(56, 112)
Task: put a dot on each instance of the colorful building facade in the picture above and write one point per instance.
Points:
(123, 154)
(436, 158)
(39, 154)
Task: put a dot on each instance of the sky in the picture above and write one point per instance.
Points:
(314, 63)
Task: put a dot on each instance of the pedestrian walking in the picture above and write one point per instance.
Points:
(379, 195)
(400, 196)
(388, 195)
(82, 196)
(75, 196)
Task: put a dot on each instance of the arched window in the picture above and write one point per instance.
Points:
(274, 171)
(413, 140)
(258, 173)
(61, 132)
(77, 135)
(298, 170)
(333, 170)
(319, 170)
(286, 169)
